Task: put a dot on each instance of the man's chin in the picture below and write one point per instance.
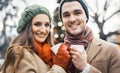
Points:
(74, 33)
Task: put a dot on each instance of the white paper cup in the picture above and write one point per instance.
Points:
(79, 48)
(55, 48)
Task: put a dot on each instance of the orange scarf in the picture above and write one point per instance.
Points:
(44, 52)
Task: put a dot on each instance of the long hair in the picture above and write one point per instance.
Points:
(25, 38)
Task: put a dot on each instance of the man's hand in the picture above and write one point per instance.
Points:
(79, 57)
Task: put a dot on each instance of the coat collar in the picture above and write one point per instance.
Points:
(94, 49)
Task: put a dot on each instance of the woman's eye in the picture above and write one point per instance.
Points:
(47, 24)
(37, 24)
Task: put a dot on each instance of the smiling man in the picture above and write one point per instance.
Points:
(97, 56)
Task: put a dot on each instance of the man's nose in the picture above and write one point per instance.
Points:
(72, 19)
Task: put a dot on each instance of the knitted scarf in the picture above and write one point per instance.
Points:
(84, 39)
(44, 52)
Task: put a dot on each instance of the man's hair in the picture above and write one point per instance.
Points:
(82, 2)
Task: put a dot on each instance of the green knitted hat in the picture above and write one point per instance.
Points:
(29, 13)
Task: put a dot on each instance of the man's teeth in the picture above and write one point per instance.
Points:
(73, 25)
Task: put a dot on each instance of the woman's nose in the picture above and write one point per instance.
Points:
(42, 29)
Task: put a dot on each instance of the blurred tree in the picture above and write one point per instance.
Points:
(10, 11)
(101, 18)
(98, 18)
(58, 31)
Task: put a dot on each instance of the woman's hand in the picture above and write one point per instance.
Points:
(62, 57)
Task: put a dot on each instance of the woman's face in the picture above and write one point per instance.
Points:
(41, 27)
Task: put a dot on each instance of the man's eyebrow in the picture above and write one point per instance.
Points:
(65, 13)
(78, 10)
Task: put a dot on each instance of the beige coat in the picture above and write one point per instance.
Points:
(103, 57)
(31, 63)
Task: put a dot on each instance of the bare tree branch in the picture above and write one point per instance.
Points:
(112, 15)
(113, 33)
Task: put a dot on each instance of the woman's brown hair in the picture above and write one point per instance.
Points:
(15, 50)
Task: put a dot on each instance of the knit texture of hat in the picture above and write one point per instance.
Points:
(83, 4)
(29, 13)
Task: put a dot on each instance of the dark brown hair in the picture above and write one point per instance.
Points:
(23, 40)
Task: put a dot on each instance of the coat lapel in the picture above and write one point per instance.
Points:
(94, 49)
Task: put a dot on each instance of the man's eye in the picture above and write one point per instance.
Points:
(66, 15)
(78, 12)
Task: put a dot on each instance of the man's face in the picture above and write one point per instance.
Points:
(74, 18)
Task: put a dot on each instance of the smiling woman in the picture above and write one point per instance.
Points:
(30, 51)
(41, 27)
